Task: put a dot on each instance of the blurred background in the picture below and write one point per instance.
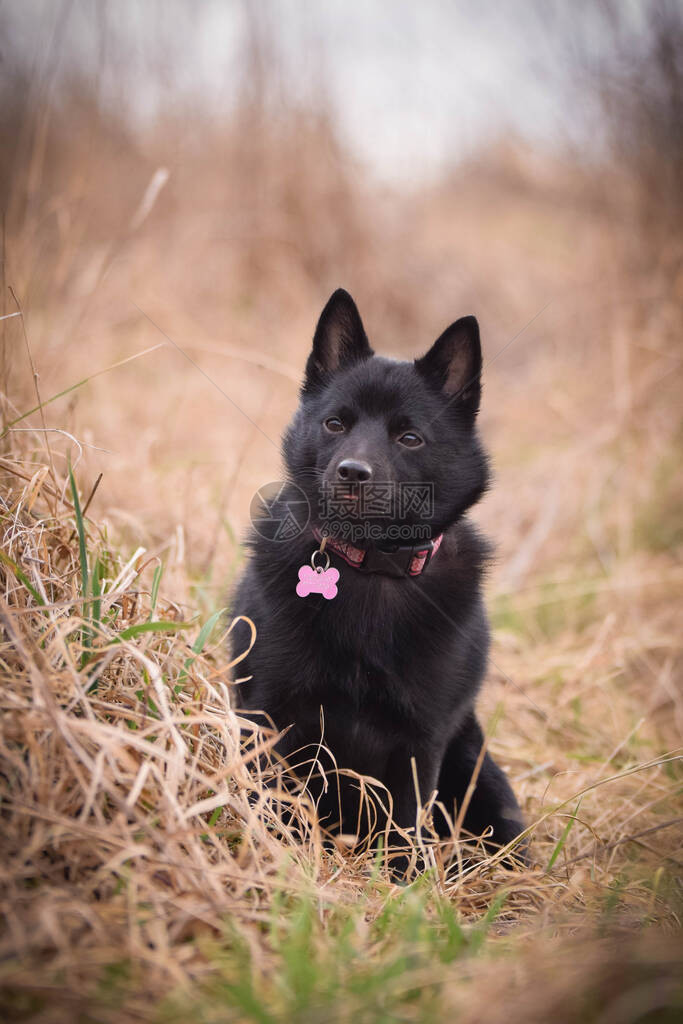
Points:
(200, 177)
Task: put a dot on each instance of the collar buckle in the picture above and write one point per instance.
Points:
(398, 559)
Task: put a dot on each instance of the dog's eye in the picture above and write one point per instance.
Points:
(410, 440)
(334, 425)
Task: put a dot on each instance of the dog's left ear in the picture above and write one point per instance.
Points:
(339, 339)
(453, 365)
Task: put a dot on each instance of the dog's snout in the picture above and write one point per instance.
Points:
(354, 471)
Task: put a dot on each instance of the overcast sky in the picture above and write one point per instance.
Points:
(414, 84)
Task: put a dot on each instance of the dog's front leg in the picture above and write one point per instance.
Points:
(492, 805)
(412, 774)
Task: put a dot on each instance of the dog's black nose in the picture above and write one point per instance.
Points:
(354, 471)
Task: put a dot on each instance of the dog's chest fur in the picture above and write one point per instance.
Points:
(378, 651)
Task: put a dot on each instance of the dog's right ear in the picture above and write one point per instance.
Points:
(453, 365)
(339, 340)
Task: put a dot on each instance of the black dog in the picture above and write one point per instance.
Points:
(388, 670)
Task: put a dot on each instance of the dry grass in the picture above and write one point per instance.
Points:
(140, 854)
(145, 872)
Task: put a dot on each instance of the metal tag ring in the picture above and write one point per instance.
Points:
(319, 568)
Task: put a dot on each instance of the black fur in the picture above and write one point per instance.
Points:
(394, 664)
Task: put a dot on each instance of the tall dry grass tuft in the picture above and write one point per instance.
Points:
(134, 822)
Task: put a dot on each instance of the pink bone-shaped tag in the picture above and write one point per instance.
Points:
(317, 581)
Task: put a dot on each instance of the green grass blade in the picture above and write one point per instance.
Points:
(477, 937)
(198, 646)
(80, 527)
(48, 401)
(153, 627)
(75, 387)
(563, 839)
(21, 576)
(95, 608)
(493, 911)
(96, 585)
(83, 553)
(206, 630)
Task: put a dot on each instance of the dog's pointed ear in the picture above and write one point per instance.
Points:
(453, 365)
(339, 339)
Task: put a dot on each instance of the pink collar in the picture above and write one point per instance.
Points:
(397, 560)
